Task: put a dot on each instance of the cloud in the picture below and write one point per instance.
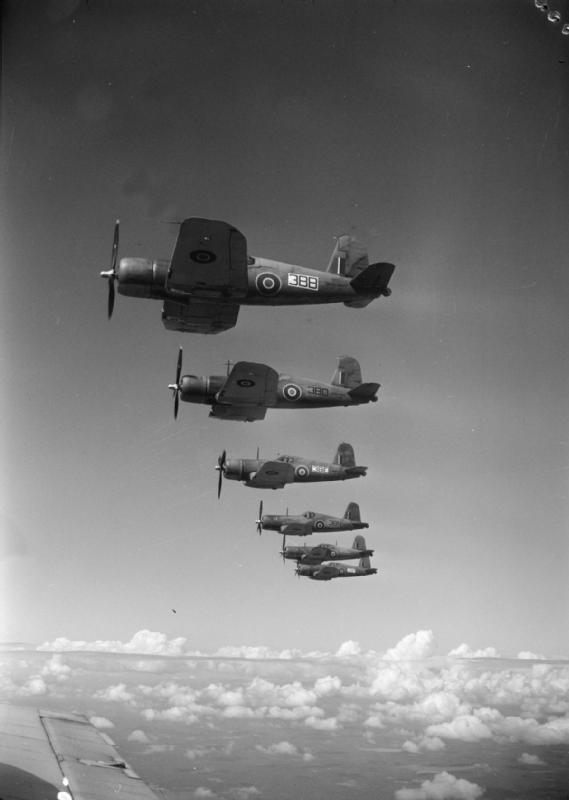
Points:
(203, 791)
(245, 792)
(527, 654)
(415, 646)
(531, 760)
(101, 722)
(465, 651)
(279, 748)
(444, 786)
(349, 648)
(138, 736)
(116, 694)
(322, 724)
(144, 641)
(56, 668)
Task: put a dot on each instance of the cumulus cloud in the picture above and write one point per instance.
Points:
(349, 648)
(144, 641)
(101, 722)
(56, 668)
(116, 694)
(33, 686)
(415, 646)
(203, 791)
(279, 748)
(531, 760)
(444, 786)
(465, 651)
(527, 654)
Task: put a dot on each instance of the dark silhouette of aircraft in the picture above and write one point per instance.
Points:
(310, 522)
(250, 389)
(210, 275)
(275, 473)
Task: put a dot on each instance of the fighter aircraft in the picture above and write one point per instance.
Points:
(250, 389)
(54, 755)
(310, 521)
(335, 569)
(305, 554)
(210, 275)
(276, 473)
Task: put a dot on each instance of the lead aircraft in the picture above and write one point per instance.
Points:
(250, 389)
(211, 274)
(262, 473)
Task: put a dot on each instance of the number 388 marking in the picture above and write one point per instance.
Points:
(303, 281)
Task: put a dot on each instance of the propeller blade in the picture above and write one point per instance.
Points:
(175, 387)
(111, 300)
(115, 247)
(111, 274)
(179, 366)
(219, 467)
(259, 521)
(283, 550)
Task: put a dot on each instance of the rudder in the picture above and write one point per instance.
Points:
(349, 257)
(345, 455)
(348, 373)
(353, 512)
(359, 543)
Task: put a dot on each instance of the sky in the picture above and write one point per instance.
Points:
(437, 132)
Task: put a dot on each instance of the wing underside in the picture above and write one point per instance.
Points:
(199, 315)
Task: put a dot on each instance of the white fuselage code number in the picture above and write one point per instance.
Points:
(303, 281)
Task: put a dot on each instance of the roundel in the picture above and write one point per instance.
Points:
(246, 383)
(302, 471)
(292, 392)
(203, 256)
(319, 524)
(333, 554)
(268, 283)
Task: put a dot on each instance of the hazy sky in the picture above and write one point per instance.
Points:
(436, 131)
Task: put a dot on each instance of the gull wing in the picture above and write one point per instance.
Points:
(249, 384)
(297, 528)
(209, 256)
(272, 474)
(38, 749)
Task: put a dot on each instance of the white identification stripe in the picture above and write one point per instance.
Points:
(303, 281)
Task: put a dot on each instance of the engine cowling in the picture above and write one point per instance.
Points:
(194, 389)
(142, 277)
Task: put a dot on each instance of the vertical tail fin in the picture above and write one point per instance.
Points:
(364, 563)
(345, 455)
(353, 512)
(359, 543)
(348, 373)
(349, 257)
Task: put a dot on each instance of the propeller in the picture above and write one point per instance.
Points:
(219, 468)
(260, 520)
(283, 548)
(111, 274)
(175, 387)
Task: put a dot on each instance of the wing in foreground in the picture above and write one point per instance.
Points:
(56, 755)
(247, 392)
(197, 315)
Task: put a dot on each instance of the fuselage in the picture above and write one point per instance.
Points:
(304, 470)
(313, 521)
(291, 392)
(332, 569)
(268, 283)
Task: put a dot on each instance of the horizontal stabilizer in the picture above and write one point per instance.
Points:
(364, 392)
(374, 279)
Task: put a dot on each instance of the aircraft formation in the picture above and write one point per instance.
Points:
(202, 287)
